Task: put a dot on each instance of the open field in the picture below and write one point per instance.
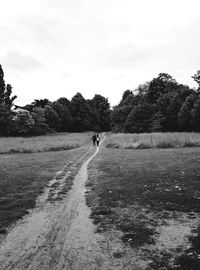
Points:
(150, 199)
(153, 140)
(52, 142)
(24, 176)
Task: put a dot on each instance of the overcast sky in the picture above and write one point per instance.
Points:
(54, 48)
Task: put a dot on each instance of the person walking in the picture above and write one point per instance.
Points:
(94, 139)
(97, 139)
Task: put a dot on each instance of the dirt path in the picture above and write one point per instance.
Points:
(59, 236)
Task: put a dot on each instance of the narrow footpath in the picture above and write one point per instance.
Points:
(56, 237)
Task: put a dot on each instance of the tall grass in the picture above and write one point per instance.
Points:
(153, 140)
(53, 142)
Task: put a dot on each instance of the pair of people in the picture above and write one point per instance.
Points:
(96, 139)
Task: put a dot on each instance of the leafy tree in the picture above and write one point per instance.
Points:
(51, 116)
(94, 115)
(157, 122)
(140, 119)
(64, 114)
(6, 102)
(5, 91)
(103, 109)
(196, 77)
(2, 85)
(23, 124)
(41, 103)
(142, 89)
(118, 118)
(6, 120)
(169, 105)
(120, 112)
(81, 113)
(195, 113)
(40, 126)
(159, 86)
(126, 94)
(64, 101)
(185, 116)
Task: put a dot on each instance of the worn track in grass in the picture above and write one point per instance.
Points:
(59, 235)
(56, 236)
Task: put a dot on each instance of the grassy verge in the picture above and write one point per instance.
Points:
(53, 142)
(139, 192)
(23, 178)
(153, 140)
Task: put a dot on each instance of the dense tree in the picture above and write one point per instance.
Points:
(5, 91)
(6, 120)
(81, 113)
(162, 98)
(23, 124)
(6, 102)
(140, 119)
(103, 109)
(195, 114)
(185, 116)
(41, 103)
(118, 118)
(94, 115)
(64, 101)
(126, 94)
(64, 114)
(168, 105)
(121, 112)
(161, 104)
(40, 126)
(164, 83)
(51, 116)
(157, 122)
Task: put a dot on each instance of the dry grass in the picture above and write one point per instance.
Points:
(53, 142)
(153, 140)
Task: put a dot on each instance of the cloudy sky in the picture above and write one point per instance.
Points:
(54, 48)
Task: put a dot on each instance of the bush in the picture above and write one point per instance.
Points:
(23, 124)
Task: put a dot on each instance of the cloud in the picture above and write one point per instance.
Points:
(21, 62)
(110, 44)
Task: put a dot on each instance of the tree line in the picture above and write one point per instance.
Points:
(42, 116)
(159, 105)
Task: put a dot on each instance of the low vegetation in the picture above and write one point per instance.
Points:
(153, 140)
(140, 193)
(52, 142)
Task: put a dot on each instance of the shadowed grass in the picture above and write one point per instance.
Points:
(153, 140)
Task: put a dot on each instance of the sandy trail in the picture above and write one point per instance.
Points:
(58, 236)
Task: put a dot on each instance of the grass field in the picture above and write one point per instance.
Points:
(24, 176)
(150, 196)
(52, 142)
(153, 140)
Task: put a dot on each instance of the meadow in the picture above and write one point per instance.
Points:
(23, 176)
(51, 142)
(151, 197)
(153, 140)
